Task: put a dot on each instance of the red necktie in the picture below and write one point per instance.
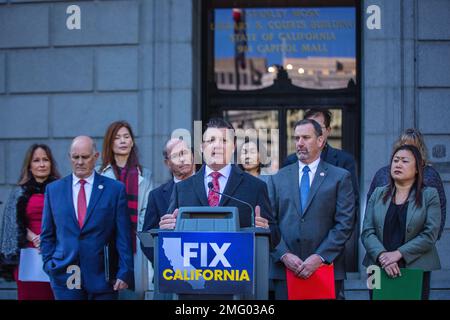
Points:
(81, 203)
(213, 198)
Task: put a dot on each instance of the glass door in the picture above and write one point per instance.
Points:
(266, 62)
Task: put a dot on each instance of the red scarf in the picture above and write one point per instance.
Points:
(130, 177)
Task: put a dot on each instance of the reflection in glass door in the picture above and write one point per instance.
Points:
(268, 61)
(315, 45)
(265, 125)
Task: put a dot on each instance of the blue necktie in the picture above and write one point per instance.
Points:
(304, 187)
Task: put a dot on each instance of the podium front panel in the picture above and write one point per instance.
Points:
(206, 262)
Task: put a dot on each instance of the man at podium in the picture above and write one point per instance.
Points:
(218, 175)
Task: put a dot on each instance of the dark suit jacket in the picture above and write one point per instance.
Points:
(157, 206)
(241, 185)
(326, 223)
(107, 221)
(338, 158)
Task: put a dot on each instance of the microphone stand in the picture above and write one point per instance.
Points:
(211, 187)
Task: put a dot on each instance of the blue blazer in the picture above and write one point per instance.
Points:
(63, 243)
(157, 205)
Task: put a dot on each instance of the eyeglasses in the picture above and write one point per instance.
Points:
(179, 155)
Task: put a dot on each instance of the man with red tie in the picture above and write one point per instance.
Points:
(85, 239)
(217, 148)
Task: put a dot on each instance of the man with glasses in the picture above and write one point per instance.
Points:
(218, 147)
(179, 159)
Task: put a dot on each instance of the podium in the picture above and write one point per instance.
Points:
(213, 222)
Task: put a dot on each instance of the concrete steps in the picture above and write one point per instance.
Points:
(8, 290)
(355, 287)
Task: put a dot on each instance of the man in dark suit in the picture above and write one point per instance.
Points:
(218, 147)
(341, 159)
(180, 161)
(84, 217)
(314, 207)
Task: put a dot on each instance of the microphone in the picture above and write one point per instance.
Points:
(211, 187)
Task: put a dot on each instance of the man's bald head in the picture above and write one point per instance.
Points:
(84, 140)
(83, 156)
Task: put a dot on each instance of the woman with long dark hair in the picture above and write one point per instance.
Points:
(402, 220)
(120, 161)
(23, 217)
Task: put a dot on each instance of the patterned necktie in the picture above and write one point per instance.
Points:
(81, 203)
(304, 187)
(213, 198)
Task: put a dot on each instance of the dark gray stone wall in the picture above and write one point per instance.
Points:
(406, 83)
(131, 60)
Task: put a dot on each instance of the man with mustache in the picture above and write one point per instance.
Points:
(341, 159)
(313, 203)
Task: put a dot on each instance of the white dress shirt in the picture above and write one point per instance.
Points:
(87, 189)
(312, 167)
(223, 179)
